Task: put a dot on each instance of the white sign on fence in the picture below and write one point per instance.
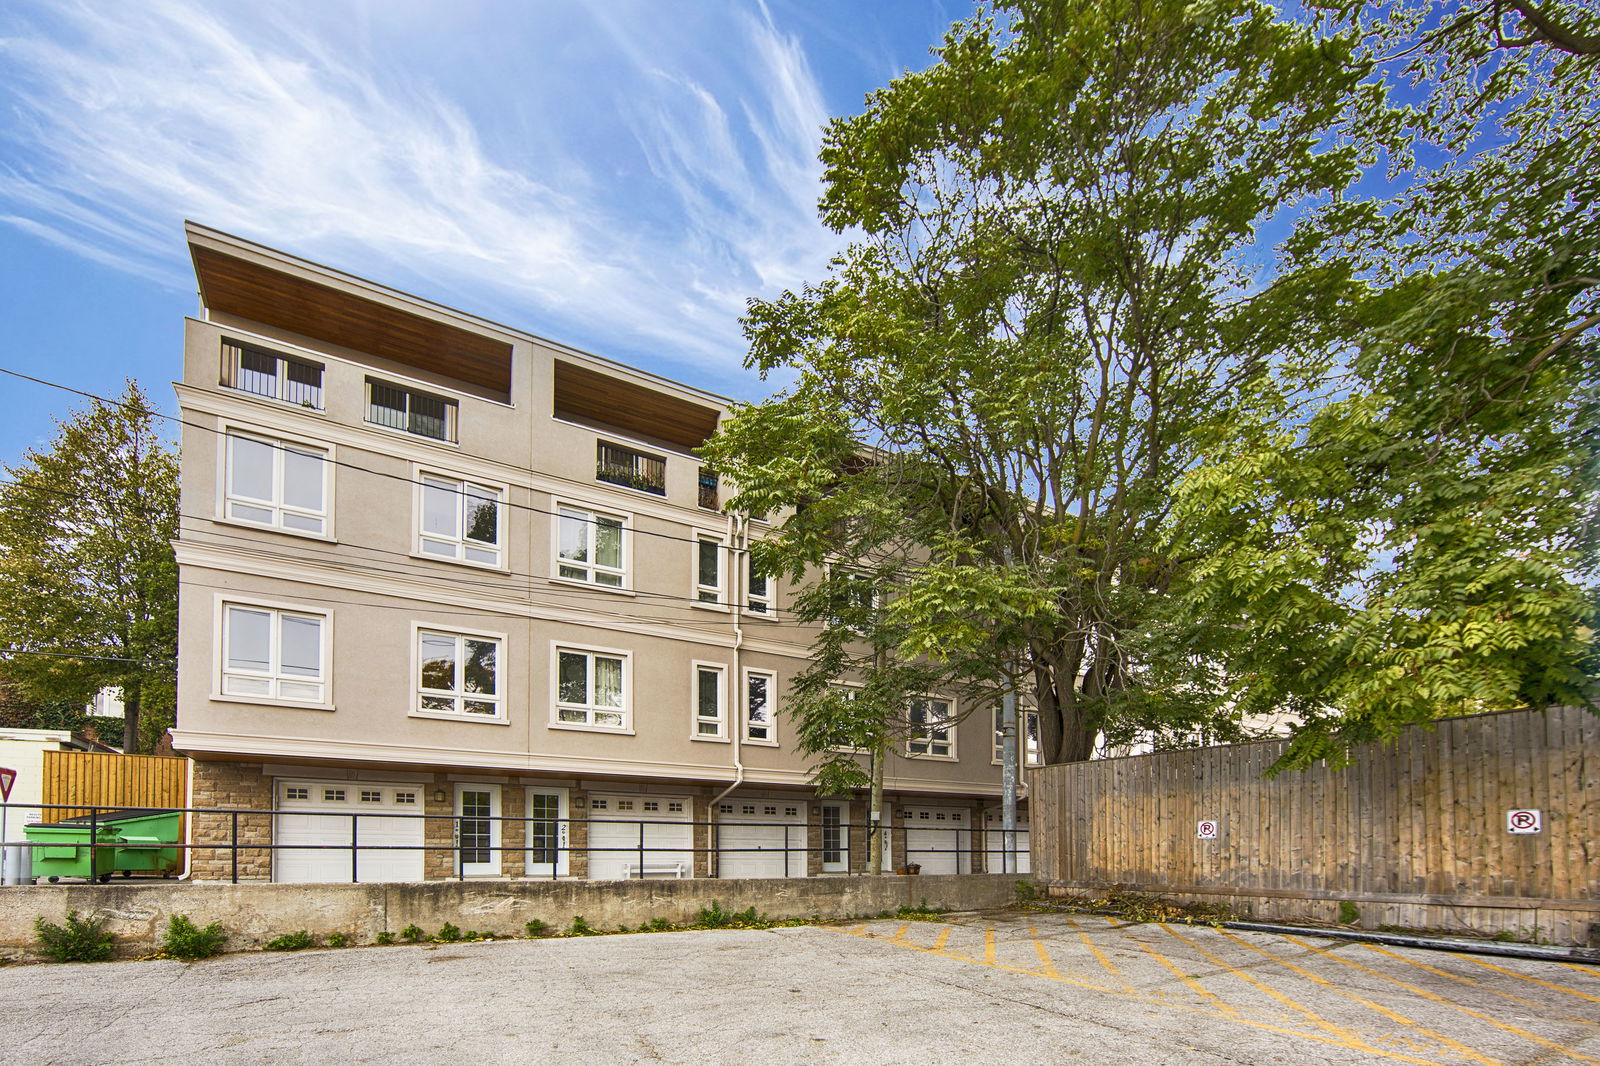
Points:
(1206, 830)
(1523, 821)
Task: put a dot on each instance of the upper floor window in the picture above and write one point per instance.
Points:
(590, 689)
(270, 374)
(708, 569)
(1027, 732)
(617, 465)
(272, 653)
(760, 687)
(273, 483)
(710, 721)
(758, 588)
(410, 411)
(708, 491)
(459, 673)
(932, 729)
(590, 547)
(460, 520)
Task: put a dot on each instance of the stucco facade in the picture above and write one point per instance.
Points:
(460, 564)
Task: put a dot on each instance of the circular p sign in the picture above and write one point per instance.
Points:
(1523, 821)
(1206, 830)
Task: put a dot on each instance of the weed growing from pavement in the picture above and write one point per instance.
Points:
(296, 941)
(1136, 908)
(184, 940)
(383, 939)
(411, 934)
(79, 940)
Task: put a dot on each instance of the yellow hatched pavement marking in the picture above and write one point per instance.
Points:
(900, 933)
(1525, 977)
(1099, 955)
(989, 956)
(1474, 983)
(1590, 970)
(1046, 967)
(1226, 1008)
(944, 935)
(1165, 1004)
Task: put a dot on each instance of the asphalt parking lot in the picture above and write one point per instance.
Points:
(1012, 987)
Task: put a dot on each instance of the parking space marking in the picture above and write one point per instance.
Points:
(1474, 983)
(1587, 969)
(1223, 1006)
(1435, 997)
(1525, 977)
(1099, 955)
(1046, 967)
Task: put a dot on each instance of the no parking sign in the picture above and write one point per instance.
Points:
(1524, 821)
(1206, 830)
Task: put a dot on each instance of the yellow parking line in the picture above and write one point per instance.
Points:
(1587, 969)
(989, 957)
(900, 933)
(1046, 967)
(944, 935)
(1525, 977)
(1222, 1005)
(1473, 983)
(1099, 955)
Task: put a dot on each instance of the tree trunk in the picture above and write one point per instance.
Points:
(875, 819)
(131, 695)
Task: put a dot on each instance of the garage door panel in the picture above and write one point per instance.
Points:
(939, 839)
(754, 838)
(317, 815)
(614, 841)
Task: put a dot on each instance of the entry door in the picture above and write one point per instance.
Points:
(478, 829)
(547, 832)
(835, 839)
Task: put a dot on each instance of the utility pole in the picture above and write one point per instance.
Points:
(1008, 780)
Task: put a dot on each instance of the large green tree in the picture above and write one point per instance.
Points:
(88, 583)
(1055, 292)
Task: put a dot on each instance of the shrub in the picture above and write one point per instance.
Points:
(581, 927)
(384, 938)
(1349, 913)
(447, 934)
(656, 925)
(296, 941)
(411, 934)
(714, 917)
(184, 940)
(920, 913)
(80, 940)
(536, 928)
(337, 940)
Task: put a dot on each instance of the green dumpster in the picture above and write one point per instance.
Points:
(128, 841)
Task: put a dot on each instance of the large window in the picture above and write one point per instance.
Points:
(1028, 731)
(758, 588)
(617, 465)
(274, 483)
(590, 547)
(270, 374)
(591, 689)
(459, 520)
(710, 717)
(708, 570)
(459, 674)
(410, 411)
(932, 729)
(273, 653)
(760, 695)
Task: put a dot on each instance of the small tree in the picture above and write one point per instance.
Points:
(88, 582)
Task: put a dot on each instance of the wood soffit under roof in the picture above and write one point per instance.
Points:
(263, 294)
(587, 395)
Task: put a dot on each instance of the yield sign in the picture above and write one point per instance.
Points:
(7, 778)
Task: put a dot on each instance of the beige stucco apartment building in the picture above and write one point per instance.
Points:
(474, 588)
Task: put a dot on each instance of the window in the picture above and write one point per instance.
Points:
(459, 673)
(710, 723)
(371, 795)
(1029, 723)
(273, 483)
(852, 597)
(409, 411)
(617, 465)
(759, 725)
(590, 547)
(274, 654)
(708, 570)
(297, 793)
(333, 795)
(459, 520)
(708, 491)
(589, 689)
(269, 374)
(758, 591)
(405, 797)
(932, 729)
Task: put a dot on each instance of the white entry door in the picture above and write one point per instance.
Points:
(314, 831)
(478, 830)
(836, 841)
(761, 838)
(618, 850)
(547, 832)
(939, 839)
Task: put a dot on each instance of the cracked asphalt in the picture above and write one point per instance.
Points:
(1041, 987)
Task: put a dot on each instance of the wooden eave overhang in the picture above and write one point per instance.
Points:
(262, 293)
(585, 395)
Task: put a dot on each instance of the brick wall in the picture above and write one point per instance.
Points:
(230, 785)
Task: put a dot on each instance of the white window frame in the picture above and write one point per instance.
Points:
(460, 542)
(765, 606)
(710, 597)
(452, 416)
(589, 725)
(418, 693)
(234, 371)
(854, 689)
(696, 720)
(589, 512)
(496, 852)
(771, 725)
(926, 738)
(273, 675)
(277, 442)
(998, 751)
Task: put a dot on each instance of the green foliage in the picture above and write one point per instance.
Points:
(580, 927)
(411, 934)
(1026, 891)
(656, 925)
(1349, 913)
(337, 940)
(296, 941)
(536, 928)
(448, 933)
(921, 913)
(384, 939)
(714, 917)
(86, 564)
(184, 940)
(79, 940)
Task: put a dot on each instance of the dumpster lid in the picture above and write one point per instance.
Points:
(114, 816)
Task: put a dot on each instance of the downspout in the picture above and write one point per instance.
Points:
(737, 551)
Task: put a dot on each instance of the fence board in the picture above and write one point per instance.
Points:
(106, 780)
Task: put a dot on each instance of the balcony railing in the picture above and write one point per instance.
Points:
(617, 465)
(709, 498)
(271, 374)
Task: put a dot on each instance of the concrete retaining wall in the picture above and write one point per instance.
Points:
(254, 914)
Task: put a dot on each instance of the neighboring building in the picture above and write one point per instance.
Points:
(22, 750)
(433, 564)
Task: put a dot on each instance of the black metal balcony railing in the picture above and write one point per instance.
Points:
(271, 374)
(708, 492)
(842, 844)
(621, 466)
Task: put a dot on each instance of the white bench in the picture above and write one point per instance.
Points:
(634, 869)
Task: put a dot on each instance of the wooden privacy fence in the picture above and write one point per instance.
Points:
(108, 780)
(1414, 833)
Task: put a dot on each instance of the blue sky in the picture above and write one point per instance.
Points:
(620, 176)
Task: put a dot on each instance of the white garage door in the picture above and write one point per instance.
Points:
(614, 842)
(761, 838)
(316, 814)
(995, 860)
(939, 839)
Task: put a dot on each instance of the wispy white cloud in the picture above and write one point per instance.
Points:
(126, 118)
